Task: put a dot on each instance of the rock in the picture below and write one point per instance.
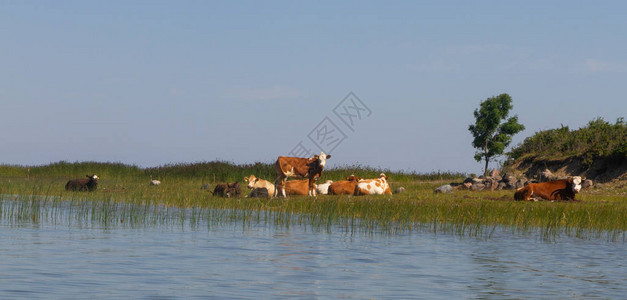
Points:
(587, 183)
(477, 187)
(205, 186)
(509, 179)
(477, 180)
(467, 180)
(546, 175)
(399, 190)
(466, 185)
(446, 189)
(521, 182)
(491, 183)
(502, 186)
(495, 173)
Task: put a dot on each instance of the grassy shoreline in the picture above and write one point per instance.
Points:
(598, 213)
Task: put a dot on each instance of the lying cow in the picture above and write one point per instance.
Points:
(89, 184)
(227, 189)
(563, 189)
(324, 188)
(259, 187)
(377, 186)
(344, 187)
(310, 168)
(297, 187)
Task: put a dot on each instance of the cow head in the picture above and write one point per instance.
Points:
(93, 177)
(353, 178)
(322, 159)
(383, 176)
(575, 183)
(251, 181)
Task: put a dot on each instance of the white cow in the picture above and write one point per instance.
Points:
(323, 189)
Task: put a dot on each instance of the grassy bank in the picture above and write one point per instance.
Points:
(599, 213)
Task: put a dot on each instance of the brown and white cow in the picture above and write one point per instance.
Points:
(297, 187)
(310, 168)
(377, 186)
(563, 189)
(344, 187)
(259, 187)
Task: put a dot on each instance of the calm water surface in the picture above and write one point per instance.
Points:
(68, 259)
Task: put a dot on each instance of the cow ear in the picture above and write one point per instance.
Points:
(316, 156)
(328, 156)
(88, 176)
(245, 178)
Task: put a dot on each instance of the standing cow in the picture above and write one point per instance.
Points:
(310, 168)
(89, 184)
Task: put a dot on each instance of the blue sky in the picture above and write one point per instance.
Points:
(158, 82)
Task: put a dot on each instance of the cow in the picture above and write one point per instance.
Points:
(227, 189)
(563, 189)
(154, 181)
(259, 187)
(89, 184)
(377, 186)
(297, 187)
(310, 168)
(324, 188)
(344, 187)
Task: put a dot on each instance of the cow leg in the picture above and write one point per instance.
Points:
(283, 182)
(312, 190)
(277, 185)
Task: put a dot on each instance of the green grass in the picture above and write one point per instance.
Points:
(124, 196)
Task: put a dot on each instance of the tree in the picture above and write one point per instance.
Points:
(491, 136)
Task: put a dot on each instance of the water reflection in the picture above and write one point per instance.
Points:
(72, 251)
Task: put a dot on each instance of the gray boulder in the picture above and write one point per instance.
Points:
(399, 190)
(521, 182)
(445, 189)
(509, 179)
(477, 187)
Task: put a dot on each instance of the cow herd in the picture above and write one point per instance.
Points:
(309, 170)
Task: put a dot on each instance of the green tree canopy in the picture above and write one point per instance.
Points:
(491, 137)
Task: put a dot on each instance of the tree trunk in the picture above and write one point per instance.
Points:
(487, 159)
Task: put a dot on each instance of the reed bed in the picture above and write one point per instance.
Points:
(126, 199)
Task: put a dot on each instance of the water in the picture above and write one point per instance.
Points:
(62, 258)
